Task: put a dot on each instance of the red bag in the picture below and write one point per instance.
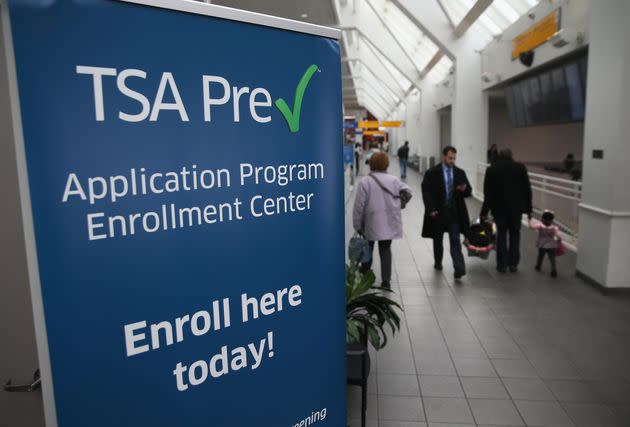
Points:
(561, 249)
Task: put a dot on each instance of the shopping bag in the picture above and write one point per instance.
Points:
(560, 249)
(359, 249)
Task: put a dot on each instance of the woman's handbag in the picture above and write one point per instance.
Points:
(560, 249)
(404, 195)
(359, 249)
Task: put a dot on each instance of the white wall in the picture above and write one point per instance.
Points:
(497, 56)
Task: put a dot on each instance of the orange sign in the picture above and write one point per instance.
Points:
(375, 125)
(374, 132)
(538, 34)
(368, 125)
(395, 124)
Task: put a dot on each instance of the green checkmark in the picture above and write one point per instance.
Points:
(293, 117)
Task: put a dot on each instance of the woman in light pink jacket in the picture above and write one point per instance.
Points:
(376, 214)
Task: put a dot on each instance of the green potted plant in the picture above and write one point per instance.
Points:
(369, 308)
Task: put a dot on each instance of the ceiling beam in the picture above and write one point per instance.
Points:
(384, 109)
(367, 39)
(388, 28)
(473, 14)
(387, 103)
(397, 95)
(450, 21)
(380, 60)
(373, 108)
(433, 62)
(423, 28)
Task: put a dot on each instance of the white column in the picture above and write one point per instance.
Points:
(470, 114)
(604, 230)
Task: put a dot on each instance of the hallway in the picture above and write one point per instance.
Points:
(494, 349)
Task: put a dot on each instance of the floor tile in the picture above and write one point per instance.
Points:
(399, 408)
(573, 391)
(514, 368)
(447, 410)
(495, 412)
(543, 414)
(592, 415)
(435, 366)
(612, 391)
(484, 388)
(383, 423)
(440, 386)
(450, 425)
(368, 423)
(474, 367)
(528, 389)
(398, 385)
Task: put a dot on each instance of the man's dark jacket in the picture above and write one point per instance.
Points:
(506, 189)
(403, 152)
(434, 197)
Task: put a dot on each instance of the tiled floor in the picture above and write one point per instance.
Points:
(517, 349)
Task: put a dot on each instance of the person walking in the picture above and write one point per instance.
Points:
(493, 153)
(548, 240)
(444, 188)
(357, 156)
(403, 156)
(376, 214)
(508, 195)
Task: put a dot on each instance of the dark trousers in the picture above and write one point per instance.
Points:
(551, 253)
(385, 253)
(508, 225)
(456, 248)
(356, 161)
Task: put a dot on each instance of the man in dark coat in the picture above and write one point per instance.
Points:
(403, 156)
(508, 195)
(444, 188)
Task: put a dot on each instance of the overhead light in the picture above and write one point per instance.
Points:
(304, 15)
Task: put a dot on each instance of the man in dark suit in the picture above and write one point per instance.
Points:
(444, 188)
(508, 195)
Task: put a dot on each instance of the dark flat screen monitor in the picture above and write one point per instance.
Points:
(555, 95)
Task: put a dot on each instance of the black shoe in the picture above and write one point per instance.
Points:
(386, 285)
(459, 275)
(537, 268)
(554, 274)
(501, 269)
(438, 267)
(513, 269)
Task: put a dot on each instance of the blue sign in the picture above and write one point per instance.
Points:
(348, 154)
(349, 125)
(188, 219)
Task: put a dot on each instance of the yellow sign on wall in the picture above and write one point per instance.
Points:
(538, 34)
(375, 125)
(374, 133)
(368, 124)
(395, 124)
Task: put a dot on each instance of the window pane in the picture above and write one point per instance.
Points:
(576, 96)
(560, 97)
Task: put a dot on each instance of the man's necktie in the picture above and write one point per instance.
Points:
(449, 184)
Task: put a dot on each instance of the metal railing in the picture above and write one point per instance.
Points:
(548, 192)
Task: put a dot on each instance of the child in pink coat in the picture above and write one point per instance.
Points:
(548, 240)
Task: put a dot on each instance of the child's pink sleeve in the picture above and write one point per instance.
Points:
(535, 225)
(556, 231)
